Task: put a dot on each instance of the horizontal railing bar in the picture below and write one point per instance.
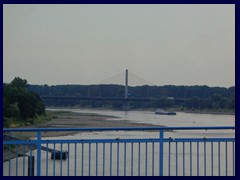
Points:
(120, 140)
(100, 141)
(122, 158)
(80, 141)
(139, 140)
(200, 140)
(21, 142)
(117, 129)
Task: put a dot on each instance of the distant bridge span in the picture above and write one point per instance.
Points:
(106, 98)
(126, 99)
(96, 98)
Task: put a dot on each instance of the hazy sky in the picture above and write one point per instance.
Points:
(86, 44)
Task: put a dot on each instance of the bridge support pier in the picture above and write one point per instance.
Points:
(126, 106)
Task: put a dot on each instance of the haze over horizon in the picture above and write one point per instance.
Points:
(86, 44)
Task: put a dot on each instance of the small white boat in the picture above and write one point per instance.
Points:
(163, 112)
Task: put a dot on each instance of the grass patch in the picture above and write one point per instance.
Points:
(15, 123)
(56, 114)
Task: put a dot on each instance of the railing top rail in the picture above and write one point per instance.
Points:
(118, 128)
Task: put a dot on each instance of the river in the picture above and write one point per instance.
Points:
(181, 119)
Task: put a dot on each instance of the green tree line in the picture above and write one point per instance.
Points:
(189, 97)
(19, 103)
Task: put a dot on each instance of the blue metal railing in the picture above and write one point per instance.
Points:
(149, 154)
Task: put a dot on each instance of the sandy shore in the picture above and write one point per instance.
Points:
(71, 120)
(82, 120)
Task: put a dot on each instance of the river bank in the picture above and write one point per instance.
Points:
(80, 118)
(67, 119)
(195, 111)
(208, 112)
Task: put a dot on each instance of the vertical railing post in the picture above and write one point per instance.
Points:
(38, 153)
(31, 164)
(161, 153)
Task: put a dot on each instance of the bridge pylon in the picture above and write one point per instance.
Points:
(125, 102)
(126, 84)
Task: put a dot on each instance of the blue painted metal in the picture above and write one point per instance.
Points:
(89, 161)
(103, 159)
(82, 158)
(190, 159)
(233, 153)
(183, 159)
(131, 158)
(16, 160)
(23, 152)
(226, 155)
(152, 158)
(117, 158)
(9, 157)
(197, 158)
(176, 158)
(169, 158)
(146, 159)
(121, 140)
(139, 157)
(75, 160)
(54, 158)
(161, 153)
(47, 161)
(219, 159)
(127, 160)
(212, 158)
(96, 159)
(61, 160)
(68, 160)
(111, 159)
(38, 153)
(31, 159)
(205, 160)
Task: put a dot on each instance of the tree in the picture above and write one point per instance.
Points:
(198, 97)
(19, 102)
(19, 83)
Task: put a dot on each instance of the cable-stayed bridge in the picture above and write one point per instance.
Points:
(125, 79)
(132, 79)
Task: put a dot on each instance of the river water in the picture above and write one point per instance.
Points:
(181, 119)
(149, 163)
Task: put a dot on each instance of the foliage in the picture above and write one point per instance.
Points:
(185, 97)
(20, 103)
